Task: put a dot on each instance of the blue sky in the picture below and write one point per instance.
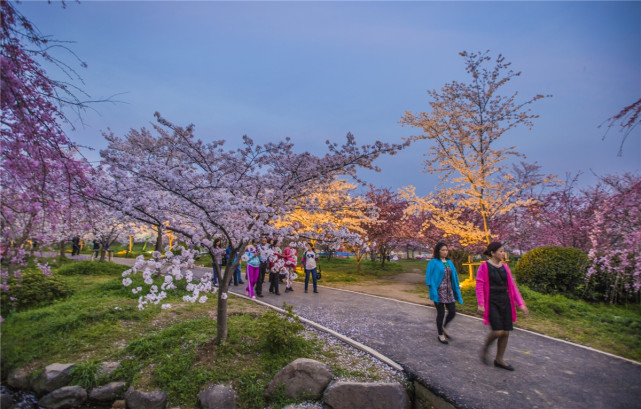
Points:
(314, 71)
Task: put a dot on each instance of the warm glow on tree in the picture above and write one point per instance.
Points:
(333, 206)
(466, 123)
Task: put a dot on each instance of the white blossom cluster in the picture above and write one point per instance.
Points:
(173, 267)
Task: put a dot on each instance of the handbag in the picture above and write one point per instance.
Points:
(318, 272)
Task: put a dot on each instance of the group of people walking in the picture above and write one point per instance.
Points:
(266, 259)
(496, 293)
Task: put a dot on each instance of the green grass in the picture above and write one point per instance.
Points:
(95, 268)
(610, 328)
(172, 350)
(345, 270)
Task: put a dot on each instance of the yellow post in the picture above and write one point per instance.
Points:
(131, 243)
(470, 282)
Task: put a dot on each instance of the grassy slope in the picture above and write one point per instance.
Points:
(167, 349)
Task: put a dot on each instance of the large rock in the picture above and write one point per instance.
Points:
(303, 379)
(6, 399)
(357, 395)
(106, 368)
(65, 397)
(19, 379)
(107, 393)
(119, 404)
(55, 376)
(145, 400)
(218, 397)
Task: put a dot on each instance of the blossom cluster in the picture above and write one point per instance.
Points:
(175, 266)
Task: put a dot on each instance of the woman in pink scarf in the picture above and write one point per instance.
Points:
(497, 298)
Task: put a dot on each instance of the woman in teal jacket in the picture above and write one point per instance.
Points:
(442, 279)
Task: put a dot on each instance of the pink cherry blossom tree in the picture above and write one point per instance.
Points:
(42, 178)
(200, 190)
(386, 233)
(615, 239)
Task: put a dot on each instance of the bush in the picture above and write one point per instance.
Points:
(282, 333)
(553, 270)
(34, 289)
(458, 257)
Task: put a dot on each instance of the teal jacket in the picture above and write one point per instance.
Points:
(434, 275)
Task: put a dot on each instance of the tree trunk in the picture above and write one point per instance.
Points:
(221, 311)
(102, 252)
(62, 248)
(407, 251)
(223, 287)
(159, 239)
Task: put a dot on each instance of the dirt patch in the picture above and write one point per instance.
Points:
(408, 287)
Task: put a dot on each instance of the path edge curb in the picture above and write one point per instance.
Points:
(411, 375)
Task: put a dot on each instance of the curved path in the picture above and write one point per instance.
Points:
(550, 373)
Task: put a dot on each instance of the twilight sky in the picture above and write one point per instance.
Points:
(314, 71)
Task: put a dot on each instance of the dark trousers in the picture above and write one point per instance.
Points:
(262, 270)
(273, 282)
(236, 276)
(440, 314)
(217, 274)
(313, 274)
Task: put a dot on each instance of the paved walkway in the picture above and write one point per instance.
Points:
(550, 373)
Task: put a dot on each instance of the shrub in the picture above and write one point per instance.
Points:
(458, 257)
(282, 333)
(34, 289)
(553, 270)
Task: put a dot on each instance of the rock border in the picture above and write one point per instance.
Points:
(223, 396)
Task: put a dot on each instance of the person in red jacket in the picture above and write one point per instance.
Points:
(497, 297)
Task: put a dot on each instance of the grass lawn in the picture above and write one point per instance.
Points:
(173, 349)
(345, 270)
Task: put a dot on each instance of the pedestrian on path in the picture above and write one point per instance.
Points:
(275, 264)
(264, 250)
(236, 275)
(497, 297)
(252, 257)
(309, 265)
(75, 246)
(217, 261)
(290, 256)
(444, 289)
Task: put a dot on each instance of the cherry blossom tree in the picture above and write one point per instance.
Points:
(627, 120)
(201, 190)
(466, 124)
(519, 226)
(41, 175)
(42, 178)
(615, 238)
(336, 220)
(386, 232)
